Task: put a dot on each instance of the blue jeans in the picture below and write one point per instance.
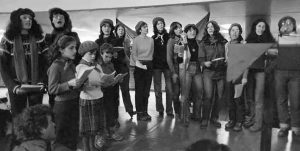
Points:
(193, 79)
(210, 86)
(287, 86)
(255, 92)
(175, 89)
(157, 73)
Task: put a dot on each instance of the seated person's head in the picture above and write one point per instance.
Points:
(35, 122)
(207, 145)
(287, 25)
(106, 52)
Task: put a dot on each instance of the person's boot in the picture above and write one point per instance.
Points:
(141, 117)
(237, 127)
(230, 124)
(258, 118)
(204, 124)
(215, 122)
(114, 135)
(131, 113)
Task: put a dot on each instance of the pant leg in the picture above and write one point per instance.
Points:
(109, 104)
(208, 93)
(259, 96)
(240, 108)
(218, 99)
(168, 88)
(281, 89)
(231, 101)
(67, 122)
(294, 95)
(116, 101)
(147, 86)
(139, 88)
(198, 93)
(125, 93)
(175, 93)
(157, 73)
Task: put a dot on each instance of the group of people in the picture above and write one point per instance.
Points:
(194, 71)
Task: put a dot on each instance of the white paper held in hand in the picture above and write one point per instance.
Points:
(83, 75)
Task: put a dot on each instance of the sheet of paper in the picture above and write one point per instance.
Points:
(238, 90)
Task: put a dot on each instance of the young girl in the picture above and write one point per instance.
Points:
(63, 84)
(91, 108)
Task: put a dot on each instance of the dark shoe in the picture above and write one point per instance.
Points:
(161, 114)
(115, 137)
(248, 122)
(99, 142)
(171, 115)
(131, 113)
(237, 127)
(283, 132)
(204, 124)
(216, 123)
(147, 116)
(141, 117)
(230, 124)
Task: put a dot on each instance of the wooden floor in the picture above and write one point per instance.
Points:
(168, 134)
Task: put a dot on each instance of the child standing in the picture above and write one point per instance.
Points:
(91, 107)
(63, 84)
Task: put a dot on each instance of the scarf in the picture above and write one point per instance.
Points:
(20, 62)
(161, 38)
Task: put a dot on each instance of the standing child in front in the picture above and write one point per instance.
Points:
(63, 84)
(91, 107)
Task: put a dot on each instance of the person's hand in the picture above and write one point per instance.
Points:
(244, 81)
(174, 77)
(184, 38)
(207, 63)
(74, 83)
(272, 51)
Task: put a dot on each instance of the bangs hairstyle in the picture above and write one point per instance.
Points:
(14, 27)
(155, 30)
(68, 22)
(240, 38)
(31, 121)
(138, 32)
(173, 27)
(106, 48)
(189, 26)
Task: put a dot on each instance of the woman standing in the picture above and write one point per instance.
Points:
(260, 33)
(214, 70)
(174, 44)
(160, 66)
(236, 105)
(142, 54)
(121, 63)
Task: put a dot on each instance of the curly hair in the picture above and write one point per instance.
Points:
(31, 121)
(173, 27)
(264, 38)
(284, 19)
(14, 27)
(68, 22)
(106, 48)
(62, 42)
(218, 36)
(240, 38)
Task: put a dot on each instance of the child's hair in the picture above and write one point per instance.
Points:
(31, 121)
(207, 145)
(106, 48)
(61, 43)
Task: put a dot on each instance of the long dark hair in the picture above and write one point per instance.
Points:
(14, 27)
(240, 38)
(63, 42)
(217, 35)
(173, 27)
(266, 37)
(68, 23)
(155, 30)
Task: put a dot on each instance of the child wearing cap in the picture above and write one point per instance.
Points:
(91, 107)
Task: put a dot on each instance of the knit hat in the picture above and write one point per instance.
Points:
(138, 26)
(156, 19)
(87, 46)
(15, 15)
(108, 21)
